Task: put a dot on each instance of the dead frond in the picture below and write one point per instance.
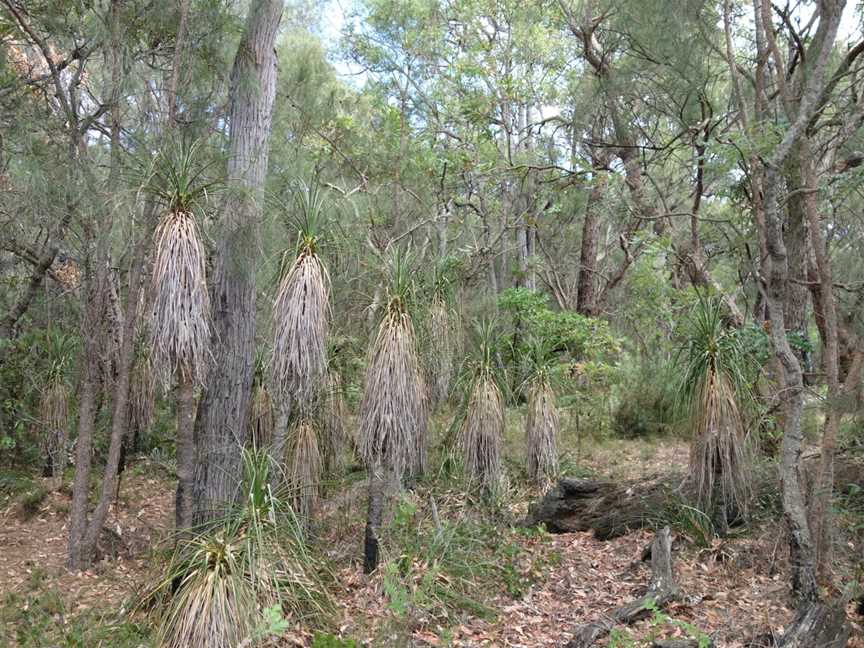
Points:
(541, 432)
(393, 411)
(54, 418)
(301, 315)
(304, 473)
(719, 461)
(482, 434)
(180, 314)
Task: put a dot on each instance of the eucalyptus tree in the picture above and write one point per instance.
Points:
(223, 416)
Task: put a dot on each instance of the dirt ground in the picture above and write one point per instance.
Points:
(732, 590)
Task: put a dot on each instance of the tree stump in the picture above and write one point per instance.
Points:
(816, 624)
(661, 591)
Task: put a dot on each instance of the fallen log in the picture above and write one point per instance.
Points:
(680, 643)
(609, 509)
(661, 591)
(614, 508)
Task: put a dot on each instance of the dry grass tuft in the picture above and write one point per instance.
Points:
(142, 396)
(441, 351)
(180, 321)
(54, 419)
(541, 432)
(719, 461)
(482, 434)
(393, 411)
(301, 315)
(305, 468)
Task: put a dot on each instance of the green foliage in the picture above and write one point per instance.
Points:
(645, 400)
(180, 176)
(326, 640)
(564, 332)
(39, 618)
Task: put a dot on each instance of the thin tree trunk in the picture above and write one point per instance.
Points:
(222, 423)
(586, 291)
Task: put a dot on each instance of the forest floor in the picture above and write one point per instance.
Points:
(492, 585)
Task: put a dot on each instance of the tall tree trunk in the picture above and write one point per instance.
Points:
(223, 419)
(586, 290)
(802, 555)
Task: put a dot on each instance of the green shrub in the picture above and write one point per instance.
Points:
(645, 403)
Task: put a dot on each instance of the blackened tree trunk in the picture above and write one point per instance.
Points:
(221, 427)
(373, 519)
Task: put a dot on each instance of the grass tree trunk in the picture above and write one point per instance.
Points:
(183, 510)
(224, 416)
(374, 518)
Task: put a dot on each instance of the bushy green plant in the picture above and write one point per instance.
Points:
(645, 401)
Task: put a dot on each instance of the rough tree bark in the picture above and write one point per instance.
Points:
(802, 554)
(221, 427)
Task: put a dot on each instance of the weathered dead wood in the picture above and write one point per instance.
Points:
(609, 509)
(816, 625)
(614, 508)
(679, 643)
(661, 591)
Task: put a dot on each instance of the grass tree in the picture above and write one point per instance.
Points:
(179, 323)
(54, 406)
(393, 411)
(226, 586)
(142, 398)
(441, 344)
(714, 370)
(542, 422)
(261, 410)
(301, 316)
(481, 433)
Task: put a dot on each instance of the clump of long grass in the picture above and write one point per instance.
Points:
(714, 386)
(220, 584)
(301, 309)
(542, 422)
(481, 434)
(305, 468)
(261, 418)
